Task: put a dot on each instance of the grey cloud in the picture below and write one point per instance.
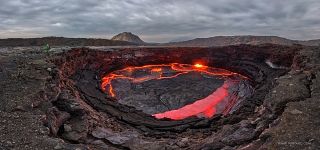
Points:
(160, 20)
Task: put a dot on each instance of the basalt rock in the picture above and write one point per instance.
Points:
(63, 90)
(79, 78)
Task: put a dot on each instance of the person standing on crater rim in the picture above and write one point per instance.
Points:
(46, 48)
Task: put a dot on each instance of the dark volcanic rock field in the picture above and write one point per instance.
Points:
(54, 101)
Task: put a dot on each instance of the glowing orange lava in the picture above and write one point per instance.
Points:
(198, 66)
(204, 106)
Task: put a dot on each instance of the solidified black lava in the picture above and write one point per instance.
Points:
(157, 96)
(81, 96)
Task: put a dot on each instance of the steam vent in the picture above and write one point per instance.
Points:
(229, 97)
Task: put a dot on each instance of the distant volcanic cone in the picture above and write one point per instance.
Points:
(129, 37)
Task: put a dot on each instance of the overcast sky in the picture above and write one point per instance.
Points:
(160, 20)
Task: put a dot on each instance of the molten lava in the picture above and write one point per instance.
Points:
(198, 66)
(205, 107)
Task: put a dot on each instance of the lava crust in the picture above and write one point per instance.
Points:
(118, 121)
(154, 90)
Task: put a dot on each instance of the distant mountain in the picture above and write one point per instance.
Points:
(235, 40)
(310, 42)
(180, 39)
(61, 41)
(127, 36)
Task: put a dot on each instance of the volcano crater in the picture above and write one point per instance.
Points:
(142, 105)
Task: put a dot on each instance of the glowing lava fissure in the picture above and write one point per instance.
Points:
(206, 107)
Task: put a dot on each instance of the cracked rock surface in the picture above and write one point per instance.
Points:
(42, 107)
